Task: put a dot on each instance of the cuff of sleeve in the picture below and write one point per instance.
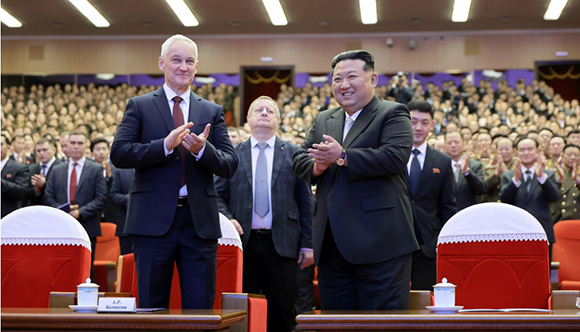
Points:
(200, 153)
(543, 178)
(306, 249)
(167, 152)
(517, 183)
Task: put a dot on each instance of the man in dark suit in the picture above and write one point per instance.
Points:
(15, 180)
(277, 232)
(119, 196)
(531, 187)
(363, 226)
(100, 150)
(431, 187)
(18, 154)
(176, 141)
(468, 173)
(45, 151)
(80, 183)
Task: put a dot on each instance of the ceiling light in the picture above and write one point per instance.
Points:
(555, 9)
(275, 11)
(91, 13)
(9, 20)
(183, 13)
(461, 10)
(368, 11)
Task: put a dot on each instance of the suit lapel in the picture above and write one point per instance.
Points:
(195, 113)
(246, 159)
(335, 125)
(427, 168)
(6, 167)
(362, 121)
(160, 100)
(84, 175)
(279, 150)
(533, 184)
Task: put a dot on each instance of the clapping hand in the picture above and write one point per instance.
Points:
(194, 143)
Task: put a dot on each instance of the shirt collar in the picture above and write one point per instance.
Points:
(531, 169)
(49, 163)
(3, 162)
(270, 142)
(422, 148)
(80, 163)
(353, 116)
(170, 94)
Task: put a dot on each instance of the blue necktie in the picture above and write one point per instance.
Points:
(262, 202)
(415, 170)
(43, 167)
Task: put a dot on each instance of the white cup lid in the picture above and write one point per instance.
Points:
(444, 283)
(88, 283)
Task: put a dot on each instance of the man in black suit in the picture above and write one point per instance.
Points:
(531, 187)
(468, 173)
(277, 232)
(363, 224)
(431, 188)
(15, 180)
(100, 150)
(176, 141)
(45, 151)
(80, 183)
(119, 196)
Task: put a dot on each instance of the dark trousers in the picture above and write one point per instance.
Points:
(346, 286)
(93, 247)
(195, 259)
(305, 290)
(270, 274)
(126, 243)
(423, 272)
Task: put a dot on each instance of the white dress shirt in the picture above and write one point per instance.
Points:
(533, 170)
(257, 221)
(79, 170)
(353, 117)
(3, 162)
(48, 165)
(184, 105)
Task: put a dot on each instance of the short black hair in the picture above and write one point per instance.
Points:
(546, 128)
(5, 139)
(573, 131)
(363, 55)
(498, 136)
(558, 136)
(97, 141)
(15, 137)
(77, 132)
(570, 145)
(420, 106)
(524, 138)
(466, 128)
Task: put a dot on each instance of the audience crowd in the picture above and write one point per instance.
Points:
(38, 122)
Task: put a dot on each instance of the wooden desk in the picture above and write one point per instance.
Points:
(423, 319)
(35, 319)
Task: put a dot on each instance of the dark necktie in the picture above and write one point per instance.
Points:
(527, 181)
(73, 184)
(43, 168)
(415, 170)
(262, 203)
(178, 121)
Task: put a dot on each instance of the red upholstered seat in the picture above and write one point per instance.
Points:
(566, 250)
(107, 252)
(40, 257)
(502, 264)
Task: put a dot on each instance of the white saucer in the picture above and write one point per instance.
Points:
(444, 310)
(84, 308)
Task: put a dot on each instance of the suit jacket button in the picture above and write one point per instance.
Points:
(178, 158)
(175, 183)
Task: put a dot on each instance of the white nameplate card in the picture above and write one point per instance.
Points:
(117, 304)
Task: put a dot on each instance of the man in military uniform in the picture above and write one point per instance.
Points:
(568, 184)
(502, 161)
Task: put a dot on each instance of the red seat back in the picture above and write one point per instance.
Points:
(566, 250)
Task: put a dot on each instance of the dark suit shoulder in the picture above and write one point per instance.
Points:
(437, 155)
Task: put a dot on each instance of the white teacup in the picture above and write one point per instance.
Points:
(444, 294)
(87, 293)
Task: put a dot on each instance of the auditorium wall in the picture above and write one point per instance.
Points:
(311, 54)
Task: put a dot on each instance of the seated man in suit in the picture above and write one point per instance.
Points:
(80, 183)
(468, 172)
(569, 184)
(119, 196)
(431, 188)
(45, 152)
(18, 154)
(531, 187)
(277, 232)
(15, 180)
(100, 150)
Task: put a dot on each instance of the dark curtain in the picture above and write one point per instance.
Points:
(262, 82)
(564, 78)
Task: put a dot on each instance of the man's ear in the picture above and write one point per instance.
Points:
(374, 80)
(161, 64)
